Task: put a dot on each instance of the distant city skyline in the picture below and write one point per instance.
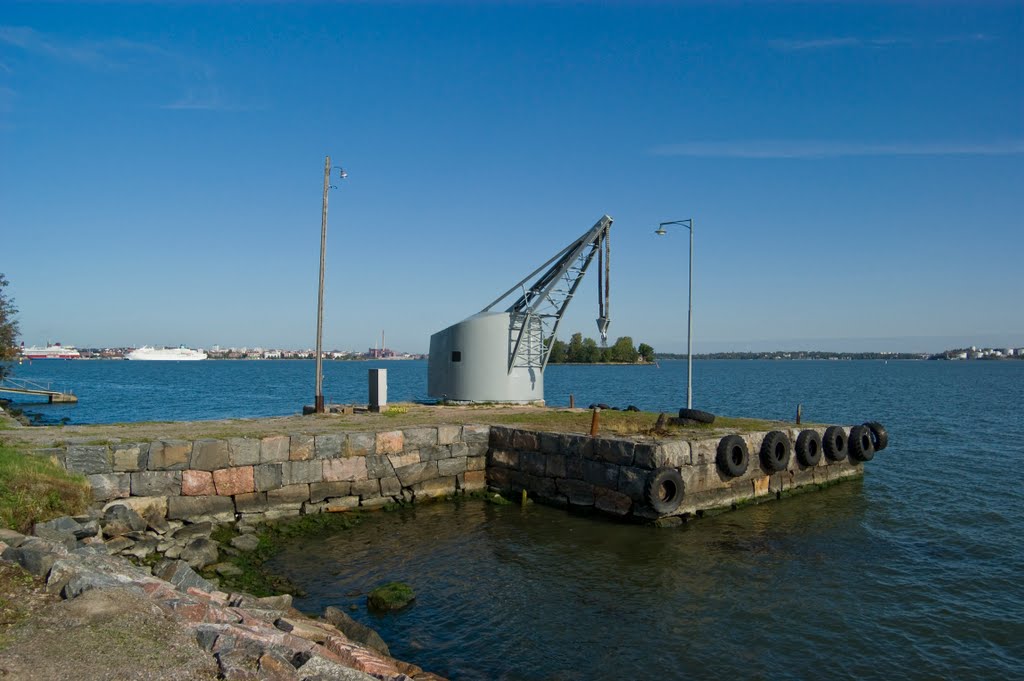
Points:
(853, 170)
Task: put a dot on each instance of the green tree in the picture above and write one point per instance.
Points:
(575, 351)
(559, 350)
(8, 329)
(623, 351)
(646, 352)
(590, 353)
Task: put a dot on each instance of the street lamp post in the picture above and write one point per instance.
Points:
(688, 223)
(318, 399)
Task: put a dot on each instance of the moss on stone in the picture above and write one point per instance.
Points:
(390, 596)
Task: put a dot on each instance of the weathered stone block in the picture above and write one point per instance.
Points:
(476, 463)
(197, 483)
(434, 487)
(450, 467)
(504, 458)
(292, 494)
(631, 482)
(417, 472)
(551, 443)
(156, 483)
(612, 502)
(447, 434)
(232, 481)
(577, 492)
(274, 448)
(574, 466)
(404, 459)
(390, 486)
(472, 481)
(341, 504)
(253, 502)
(301, 447)
(329, 446)
(128, 458)
(435, 452)
(578, 445)
(554, 466)
(704, 451)
(351, 469)
(478, 448)
(209, 455)
(294, 472)
(525, 440)
(318, 491)
(390, 442)
(601, 474)
(674, 454)
(169, 455)
(618, 452)
(243, 451)
(378, 466)
(540, 487)
(219, 509)
(533, 463)
(268, 476)
(360, 444)
(110, 486)
(366, 489)
(476, 433)
(88, 459)
(418, 438)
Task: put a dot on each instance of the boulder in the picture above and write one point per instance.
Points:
(119, 520)
(59, 529)
(356, 631)
(245, 542)
(200, 552)
(178, 573)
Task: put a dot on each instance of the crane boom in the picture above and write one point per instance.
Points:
(535, 315)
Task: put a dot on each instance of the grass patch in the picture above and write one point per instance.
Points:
(35, 489)
(612, 422)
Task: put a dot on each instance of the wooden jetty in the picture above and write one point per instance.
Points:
(23, 387)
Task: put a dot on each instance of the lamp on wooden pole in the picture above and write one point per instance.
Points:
(688, 223)
(318, 400)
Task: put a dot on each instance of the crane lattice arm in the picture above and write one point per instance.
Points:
(536, 313)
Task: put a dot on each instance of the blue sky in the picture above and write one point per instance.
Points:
(855, 170)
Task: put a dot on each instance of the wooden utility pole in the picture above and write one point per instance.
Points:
(318, 400)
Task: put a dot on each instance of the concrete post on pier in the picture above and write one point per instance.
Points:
(378, 389)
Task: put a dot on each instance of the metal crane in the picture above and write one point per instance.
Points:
(536, 314)
(499, 355)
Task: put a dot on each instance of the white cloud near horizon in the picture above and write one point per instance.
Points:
(839, 42)
(819, 149)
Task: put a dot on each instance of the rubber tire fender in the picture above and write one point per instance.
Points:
(664, 489)
(862, 444)
(879, 436)
(834, 443)
(697, 415)
(775, 451)
(808, 447)
(732, 456)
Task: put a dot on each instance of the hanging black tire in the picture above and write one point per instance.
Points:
(879, 436)
(664, 490)
(862, 446)
(775, 450)
(697, 415)
(732, 456)
(834, 443)
(808, 447)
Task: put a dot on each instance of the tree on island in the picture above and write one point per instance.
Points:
(580, 350)
(8, 329)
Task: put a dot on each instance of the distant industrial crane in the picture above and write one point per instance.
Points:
(500, 356)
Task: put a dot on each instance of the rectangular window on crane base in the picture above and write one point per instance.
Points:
(456, 355)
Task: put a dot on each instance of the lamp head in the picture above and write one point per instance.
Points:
(660, 231)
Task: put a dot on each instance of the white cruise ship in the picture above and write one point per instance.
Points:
(166, 354)
(51, 351)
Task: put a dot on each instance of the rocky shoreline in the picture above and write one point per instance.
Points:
(237, 636)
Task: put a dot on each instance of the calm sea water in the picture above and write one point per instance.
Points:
(917, 571)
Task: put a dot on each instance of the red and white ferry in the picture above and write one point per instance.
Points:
(51, 351)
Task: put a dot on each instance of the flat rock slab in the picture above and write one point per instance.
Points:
(137, 639)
